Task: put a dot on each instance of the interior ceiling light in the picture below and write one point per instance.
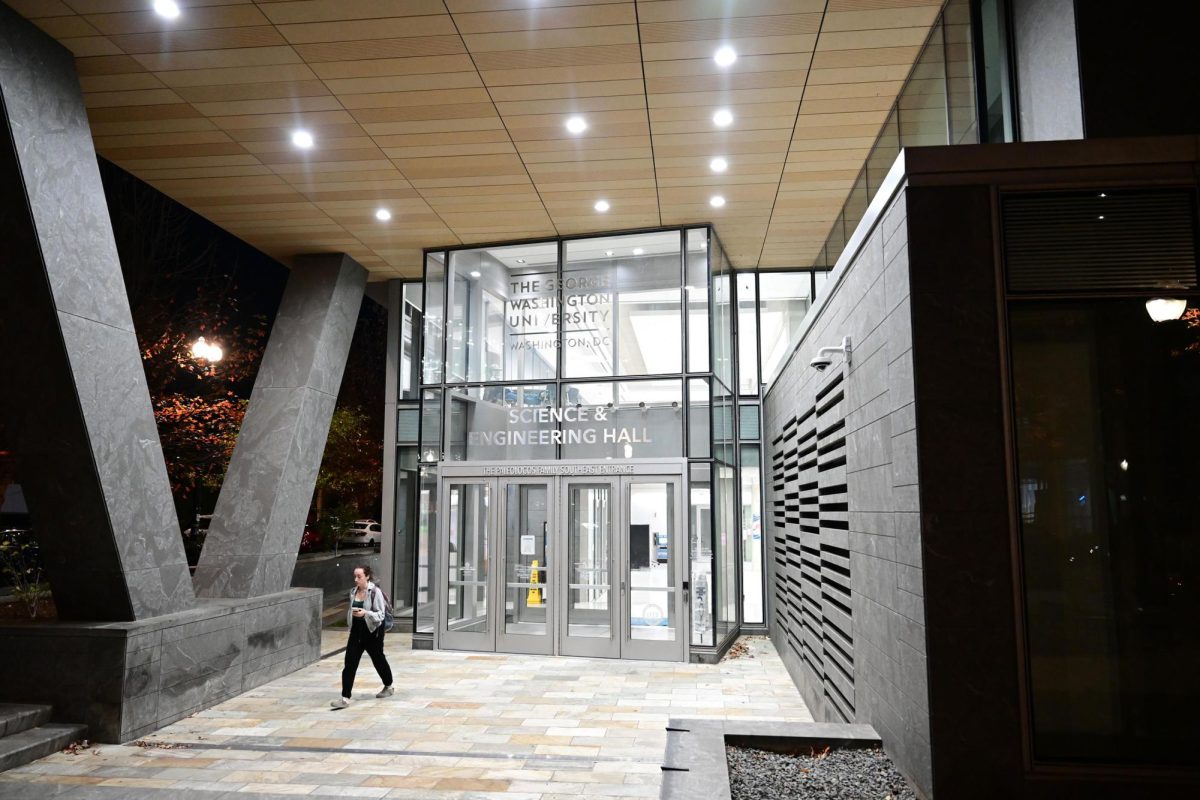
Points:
(725, 56)
(383, 215)
(608, 253)
(718, 164)
(602, 206)
(637, 251)
(577, 125)
(716, 201)
(1165, 309)
(167, 9)
(302, 139)
(723, 118)
(475, 273)
(520, 261)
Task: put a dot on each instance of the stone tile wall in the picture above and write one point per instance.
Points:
(869, 303)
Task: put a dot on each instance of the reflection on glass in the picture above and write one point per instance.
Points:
(726, 561)
(700, 552)
(467, 559)
(922, 101)
(589, 537)
(998, 100)
(435, 290)
(526, 536)
(504, 313)
(696, 282)
(784, 299)
(960, 72)
(426, 551)
(747, 303)
(1107, 432)
(621, 312)
(722, 355)
(502, 423)
(652, 561)
(752, 543)
(431, 425)
(626, 419)
(408, 372)
(699, 419)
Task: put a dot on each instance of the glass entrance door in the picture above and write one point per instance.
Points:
(653, 569)
(527, 596)
(588, 619)
(563, 565)
(464, 617)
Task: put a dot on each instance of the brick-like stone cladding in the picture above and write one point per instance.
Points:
(870, 303)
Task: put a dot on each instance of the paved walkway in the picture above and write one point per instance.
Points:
(460, 725)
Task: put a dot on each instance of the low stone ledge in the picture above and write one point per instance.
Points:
(695, 765)
(127, 679)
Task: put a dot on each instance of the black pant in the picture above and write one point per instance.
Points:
(362, 639)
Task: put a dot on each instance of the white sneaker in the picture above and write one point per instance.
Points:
(387, 691)
(341, 702)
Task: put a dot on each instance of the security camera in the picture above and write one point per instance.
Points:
(821, 362)
(824, 356)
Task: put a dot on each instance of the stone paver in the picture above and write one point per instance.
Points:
(466, 726)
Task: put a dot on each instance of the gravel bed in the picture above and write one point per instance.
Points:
(849, 774)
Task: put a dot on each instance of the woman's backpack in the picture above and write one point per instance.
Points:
(388, 620)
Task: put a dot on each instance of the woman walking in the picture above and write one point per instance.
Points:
(365, 619)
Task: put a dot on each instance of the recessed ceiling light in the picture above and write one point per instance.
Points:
(475, 273)
(723, 118)
(601, 206)
(1103, 194)
(382, 214)
(637, 251)
(1100, 217)
(577, 125)
(725, 56)
(718, 164)
(302, 139)
(608, 253)
(716, 201)
(520, 261)
(168, 9)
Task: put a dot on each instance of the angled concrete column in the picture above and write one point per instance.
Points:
(74, 391)
(259, 519)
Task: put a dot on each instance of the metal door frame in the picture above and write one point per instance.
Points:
(445, 639)
(593, 647)
(519, 642)
(650, 649)
(558, 475)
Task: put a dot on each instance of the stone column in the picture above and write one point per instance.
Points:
(259, 518)
(74, 391)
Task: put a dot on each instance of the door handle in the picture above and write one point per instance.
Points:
(687, 593)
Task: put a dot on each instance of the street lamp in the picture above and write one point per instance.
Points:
(207, 351)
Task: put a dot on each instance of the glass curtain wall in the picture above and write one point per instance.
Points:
(937, 105)
(602, 347)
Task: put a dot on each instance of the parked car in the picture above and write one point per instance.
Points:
(362, 532)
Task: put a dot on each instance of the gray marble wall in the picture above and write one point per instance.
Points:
(75, 393)
(259, 517)
(128, 679)
(870, 303)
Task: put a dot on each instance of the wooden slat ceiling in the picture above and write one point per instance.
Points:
(451, 114)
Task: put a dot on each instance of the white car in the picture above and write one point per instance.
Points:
(364, 532)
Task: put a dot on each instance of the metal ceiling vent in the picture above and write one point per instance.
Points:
(1100, 241)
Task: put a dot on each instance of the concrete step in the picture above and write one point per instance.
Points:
(15, 717)
(34, 743)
